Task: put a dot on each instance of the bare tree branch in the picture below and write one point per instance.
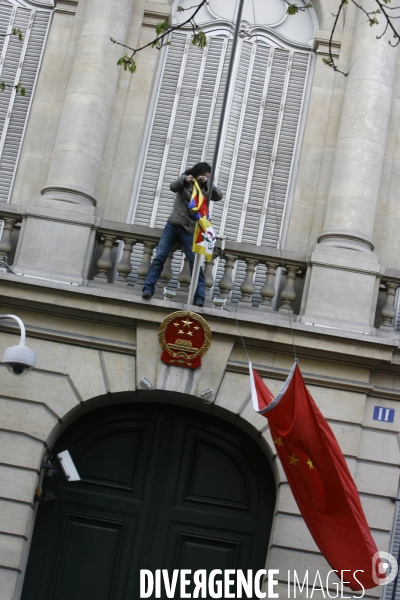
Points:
(163, 30)
(199, 37)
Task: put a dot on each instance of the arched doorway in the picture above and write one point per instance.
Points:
(162, 487)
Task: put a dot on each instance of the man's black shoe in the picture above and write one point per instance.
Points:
(146, 296)
(198, 303)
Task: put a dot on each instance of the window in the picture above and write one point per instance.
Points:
(19, 63)
(258, 141)
(258, 144)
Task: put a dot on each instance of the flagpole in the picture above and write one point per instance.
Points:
(198, 257)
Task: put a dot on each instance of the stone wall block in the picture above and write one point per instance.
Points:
(286, 502)
(51, 390)
(81, 364)
(10, 551)
(14, 517)
(379, 512)
(380, 447)
(30, 418)
(370, 404)
(233, 391)
(120, 372)
(292, 532)
(148, 353)
(17, 484)
(8, 580)
(250, 415)
(339, 405)
(348, 437)
(381, 480)
(20, 450)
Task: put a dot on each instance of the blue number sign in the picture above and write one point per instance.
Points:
(383, 414)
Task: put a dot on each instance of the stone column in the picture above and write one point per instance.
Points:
(86, 114)
(58, 237)
(344, 276)
(360, 149)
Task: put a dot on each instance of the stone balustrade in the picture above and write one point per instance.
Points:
(257, 278)
(10, 219)
(252, 278)
(388, 308)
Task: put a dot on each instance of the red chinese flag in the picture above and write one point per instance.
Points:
(319, 478)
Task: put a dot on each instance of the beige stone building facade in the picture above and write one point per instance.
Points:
(308, 255)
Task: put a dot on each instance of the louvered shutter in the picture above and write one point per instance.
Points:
(394, 550)
(258, 143)
(19, 63)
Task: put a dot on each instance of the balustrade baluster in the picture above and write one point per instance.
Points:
(166, 273)
(104, 263)
(268, 289)
(388, 312)
(208, 275)
(145, 264)
(226, 282)
(124, 266)
(184, 283)
(247, 288)
(5, 242)
(288, 294)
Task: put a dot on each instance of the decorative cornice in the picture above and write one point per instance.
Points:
(72, 338)
(67, 7)
(321, 380)
(321, 44)
(154, 12)
(310, 378)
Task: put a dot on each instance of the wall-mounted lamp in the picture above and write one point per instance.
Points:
(207, 395)
(20, 359)
(169, 294)
(145, 384)
(68, 466)
(219, 302)
(50, 468)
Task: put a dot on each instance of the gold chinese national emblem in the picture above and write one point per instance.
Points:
(184, 338)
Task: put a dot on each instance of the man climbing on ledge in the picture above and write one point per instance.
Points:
(180, 229)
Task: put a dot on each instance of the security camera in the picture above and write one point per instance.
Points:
(19, 360)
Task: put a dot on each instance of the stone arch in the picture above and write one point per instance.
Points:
(187, 407)
(73, 379)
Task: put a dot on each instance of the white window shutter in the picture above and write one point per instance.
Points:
(159, 132)
(290, 111)
(20, 62)
(257, 146)
(258, 140)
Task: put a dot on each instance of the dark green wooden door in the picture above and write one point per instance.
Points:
(162, 487)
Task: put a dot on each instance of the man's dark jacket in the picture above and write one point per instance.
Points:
(183, 190)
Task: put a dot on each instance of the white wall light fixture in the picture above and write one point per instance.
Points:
(68, 466)
(20, 359)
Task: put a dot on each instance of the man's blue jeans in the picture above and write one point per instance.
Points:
(173, 234)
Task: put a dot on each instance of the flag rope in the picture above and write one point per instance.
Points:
(272, 197)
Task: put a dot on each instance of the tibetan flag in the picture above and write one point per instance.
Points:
(204, 236)
(319, 479)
